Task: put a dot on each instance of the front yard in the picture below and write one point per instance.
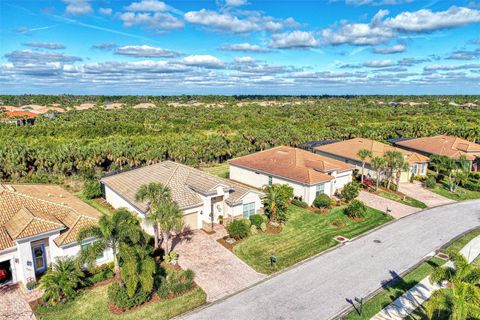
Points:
(93, 304)
(461, 194)
(304, 235)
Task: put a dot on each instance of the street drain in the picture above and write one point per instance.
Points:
(377, 241)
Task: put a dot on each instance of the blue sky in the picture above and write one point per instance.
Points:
(240, 47)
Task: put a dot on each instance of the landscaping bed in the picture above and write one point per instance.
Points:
(304, 235)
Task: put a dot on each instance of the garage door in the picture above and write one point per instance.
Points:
(191, 221)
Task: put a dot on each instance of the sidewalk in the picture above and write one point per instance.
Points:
(416, 296)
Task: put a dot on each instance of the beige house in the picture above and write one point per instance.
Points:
(347, 151)
(39, 223)
(201, 196)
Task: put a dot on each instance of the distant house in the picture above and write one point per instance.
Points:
(39, 223)
(19, 118)
(347, 151)
(200, 195)
(309, 174)
(452, 147)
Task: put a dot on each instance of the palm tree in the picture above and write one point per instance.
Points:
(138, 267)
(61, 281)
(363, 154)
(109, 233)
(394, 160)
(171, 220)
(154, 194)
(462, 299)
(275, 202)
(378, 164)
(402, 166)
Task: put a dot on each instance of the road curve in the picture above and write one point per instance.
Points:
(319, 288)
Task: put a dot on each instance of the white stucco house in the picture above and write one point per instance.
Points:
(201, 196)
(39, 223)
(309, 174)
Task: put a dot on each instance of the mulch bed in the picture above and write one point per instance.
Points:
(224, 243)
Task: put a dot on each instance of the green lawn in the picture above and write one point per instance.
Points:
(304, 235)
(402, 199)
(461, 194)
(96, 203)
(92, 304)
(219, 169)
(387, 296)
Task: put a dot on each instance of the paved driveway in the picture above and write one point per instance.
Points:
(320, 288)
(217, 270)
(13, 304)
(398, 210)
(416, 191)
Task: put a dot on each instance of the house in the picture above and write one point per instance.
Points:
(201, 196)
(309, 174)
(39, 223)
(452, 147)
(310, 145)
(19, 118)
(347, 151)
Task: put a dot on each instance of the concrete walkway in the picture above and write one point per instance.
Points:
(421, 292)
(217, 270)
(323, 287)
(398, 210)
(417, 191)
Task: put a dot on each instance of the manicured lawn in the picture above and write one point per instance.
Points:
(98, 204)
(304, 235)
(461, 194)
(220, 170)
(388, 295)
(402, 199)
(92, 304)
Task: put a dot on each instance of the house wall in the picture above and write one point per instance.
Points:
(10, 255)
(237, 211)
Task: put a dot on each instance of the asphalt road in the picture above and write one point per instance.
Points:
(319, 288)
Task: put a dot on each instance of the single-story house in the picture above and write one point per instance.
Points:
(452, 147)
(19, 118)
(347, 151)
(309, 174)
(39, 223)
(200, 195)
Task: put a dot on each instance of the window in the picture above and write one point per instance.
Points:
(248, 209)
(270, 180)
(86, 245)
(414, 169)
(424, 169)
(320, 189)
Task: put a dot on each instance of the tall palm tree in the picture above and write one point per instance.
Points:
(363, 154)
(155, 195)
(138, 267)
(462, 299)
(171, 220)
(378, 164)
(110, 231)
(394, 161)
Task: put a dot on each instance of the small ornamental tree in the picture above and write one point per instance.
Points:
(350, 191)
(356, 209)
(276, 200)
(322, 201)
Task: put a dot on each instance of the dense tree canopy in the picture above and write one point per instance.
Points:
(92, 142)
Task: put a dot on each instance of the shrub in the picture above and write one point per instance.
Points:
(256, 220)
(101, 273)
(92, 189)
(247, 222)
(472, 186)
(350, 191)
(238, 229)
(263, 227)
(31, 285)
(253, 229)
(171, 258)
(322, 201)
(356, 209)
(300, 203)
(118, 296)
(430, 182)
(176, 282)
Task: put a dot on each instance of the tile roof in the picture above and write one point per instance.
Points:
(185, 183)
(19, 115)
(24, 214)
(292, 163)
(349, 149)
(443, 145)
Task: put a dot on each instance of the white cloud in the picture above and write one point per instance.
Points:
(245, 59)
(147, 6)
(146, 52)
(235, 3)
(45, 45)
(465, 55)
(225, 22)
(245, 47)
(205, 61)
(379, 63)
(78, 7)
(158, 21)
(294, 39)
(105, 46)
(440, 67)
(390, 50)
(105, 11)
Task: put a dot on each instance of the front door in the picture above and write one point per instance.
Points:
(39, 258)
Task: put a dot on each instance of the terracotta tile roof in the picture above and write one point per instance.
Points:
(292, 163)
(443, 145)
(24, 215)
(349, 149)
(19, 115)
(184, 182)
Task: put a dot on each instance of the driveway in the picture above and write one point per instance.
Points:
(397, 210)
(217, 270)
(321, 287)
(13, 304)
(416, 191)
